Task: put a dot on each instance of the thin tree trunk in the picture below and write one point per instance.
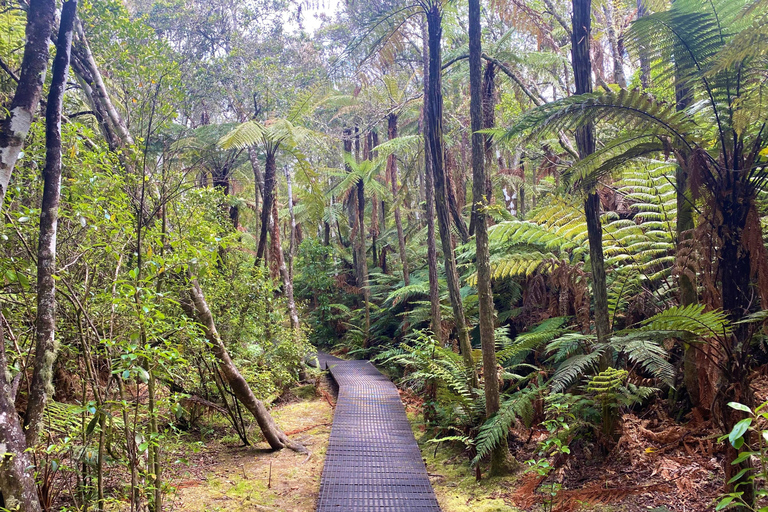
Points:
(585, 141)
(258, 184)
(362, 259)
(45, 346)
(434, 134)
(266, 209)
(480, 205)
(99, 93)
(197, 307)
(15, 126)
(292, 241)
(429, 189)
(280, 262)
(645, 62)
(392, 171)
(618, 59)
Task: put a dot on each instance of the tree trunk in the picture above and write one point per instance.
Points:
(429, 189)
(483, 254)
(392, 171)
(279, 260)
(362, 259)
(268, 197)
(197, 308)
(292, 241)
(684, 231)
(434, 134)
(15, 126)
(85, 65)
(734, 267)
(17, 482)
(645, 62)
(618, 59)
(45, 345)
(585, 141)
(258, 184)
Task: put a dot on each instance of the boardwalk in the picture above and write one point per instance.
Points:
(373, 463)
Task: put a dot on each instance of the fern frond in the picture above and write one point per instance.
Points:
(691, 319)
(517, 407)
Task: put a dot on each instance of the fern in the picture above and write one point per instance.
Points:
(574, 367)
(690, 319)
(514, 408)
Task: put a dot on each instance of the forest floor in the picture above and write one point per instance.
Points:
(656, 466)
(225, 476)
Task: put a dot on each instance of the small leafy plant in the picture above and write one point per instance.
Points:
(750, 437)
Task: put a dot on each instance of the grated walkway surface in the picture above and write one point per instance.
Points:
(373, 463)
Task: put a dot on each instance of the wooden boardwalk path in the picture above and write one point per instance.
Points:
(373, 463)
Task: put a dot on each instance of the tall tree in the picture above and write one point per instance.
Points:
(434, 285)
(434, 136)
(14, 127)
(17, 484)
(480, 209)
(585, 141)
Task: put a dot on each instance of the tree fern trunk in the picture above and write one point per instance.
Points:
(585, 141)
(270, 170)
(429, 194)
(480, 203)
(434, 123)
(392, 171)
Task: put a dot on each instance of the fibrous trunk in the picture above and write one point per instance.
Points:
(392, 171)
(429, 194)
(479, 208)
(434, 134)
(266, 209)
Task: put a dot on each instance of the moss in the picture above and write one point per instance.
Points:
(306, 392)
(456, 487)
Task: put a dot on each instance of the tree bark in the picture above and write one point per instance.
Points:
(17, 482)
(85, 66)
(392, 171)
(618, 61)
(434, 134)
(15, 126)
(266, 209)
(197, 307)
(280, 262)
(45, 344)
(684, 230)
(479, 208)
(429, 189)
(645, 62)
(585, 141)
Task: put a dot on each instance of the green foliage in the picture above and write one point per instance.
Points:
(750, 437)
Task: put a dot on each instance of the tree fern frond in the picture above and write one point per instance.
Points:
(692, 319)
(574, 367)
